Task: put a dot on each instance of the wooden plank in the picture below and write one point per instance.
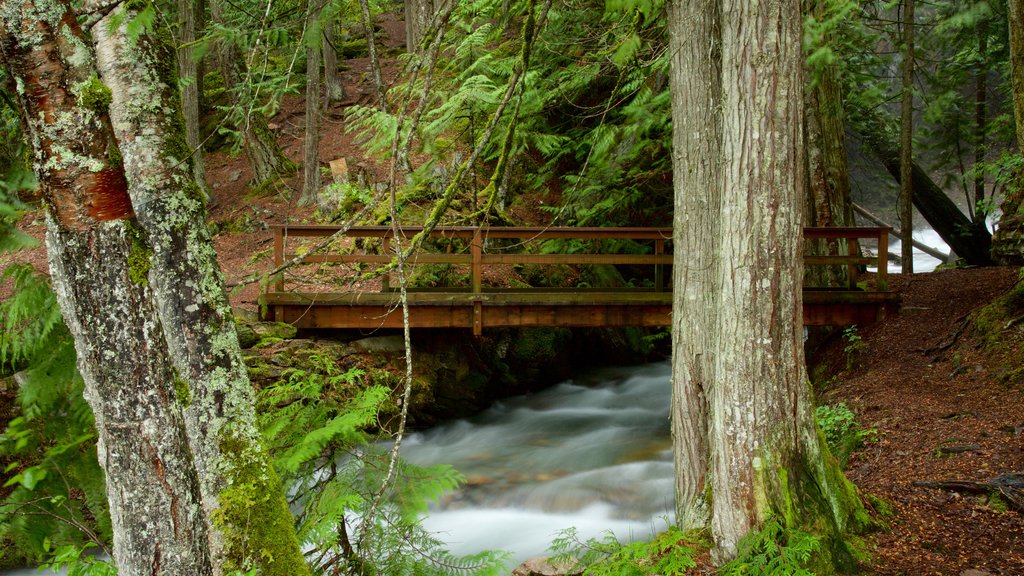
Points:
(649, 259)
(415, 259)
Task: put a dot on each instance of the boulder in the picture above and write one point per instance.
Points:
(542, 566)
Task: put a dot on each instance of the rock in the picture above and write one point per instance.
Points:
(975, 572)
(278, 330)
(542, 566)
(380, 344)
(247, 337)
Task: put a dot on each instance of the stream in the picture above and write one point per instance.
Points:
(592, 453)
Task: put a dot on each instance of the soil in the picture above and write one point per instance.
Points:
(940, 414)
(919, 399)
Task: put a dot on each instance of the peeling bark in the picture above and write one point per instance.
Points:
(152, 487)
(188, 293)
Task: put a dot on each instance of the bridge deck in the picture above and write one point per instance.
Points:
(477, 307)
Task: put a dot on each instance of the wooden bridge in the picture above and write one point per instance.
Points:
(476, 257)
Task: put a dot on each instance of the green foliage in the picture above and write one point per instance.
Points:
(316, 421)
(668, 554)
(841, 430)
(854, 345)
(57, 494)
(77, 561)
(594, 115)
(773, 551)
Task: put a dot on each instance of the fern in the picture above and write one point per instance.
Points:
(668, 554)
(773, 551)
(316, 423)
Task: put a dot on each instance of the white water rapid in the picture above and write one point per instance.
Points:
(593, 453)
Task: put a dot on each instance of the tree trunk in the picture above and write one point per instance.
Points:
(188, 71)
(311, 145)
(188, 293)
(907, 141)
(1008, 241)
(334, 90)
(152, 487)
(265, 156)
(145, 302)
(765, 459)
(980, 121)
(371, 46)
(696, 137)
(417, 20)
(828, 174)
(969, 240)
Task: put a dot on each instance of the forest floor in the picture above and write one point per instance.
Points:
(940, 412)
(944, 407)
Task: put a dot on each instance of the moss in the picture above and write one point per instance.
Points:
(182, 392)
(140, 256)
(254, 516)
(94, 95)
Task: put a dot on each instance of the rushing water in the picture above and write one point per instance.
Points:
(592, 453)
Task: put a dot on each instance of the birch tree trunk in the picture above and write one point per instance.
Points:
(137, 279)
(764, 458)
(152, 487)
(265, 156)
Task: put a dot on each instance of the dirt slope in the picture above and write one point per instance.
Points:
(940, 415)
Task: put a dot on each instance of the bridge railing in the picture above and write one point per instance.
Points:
(482, 247)
(479, 249)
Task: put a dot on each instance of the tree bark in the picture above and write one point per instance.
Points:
(1008, 241)
(969, 240)
(311, 145)
(697, 141)
(907, 141)
(828, 174)
(152, 487)
(188, 294)
(765, 457)
(265, 156)
(417, 20)
(189, 72)
(334, 90)
(137, 279)
(371, 46)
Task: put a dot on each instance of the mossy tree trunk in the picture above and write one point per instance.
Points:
(1008, 241)
(828, 174)
(265, 156)
(138, 282)
(764, 457)
(153, 489)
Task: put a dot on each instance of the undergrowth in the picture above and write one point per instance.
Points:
(670, 553)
